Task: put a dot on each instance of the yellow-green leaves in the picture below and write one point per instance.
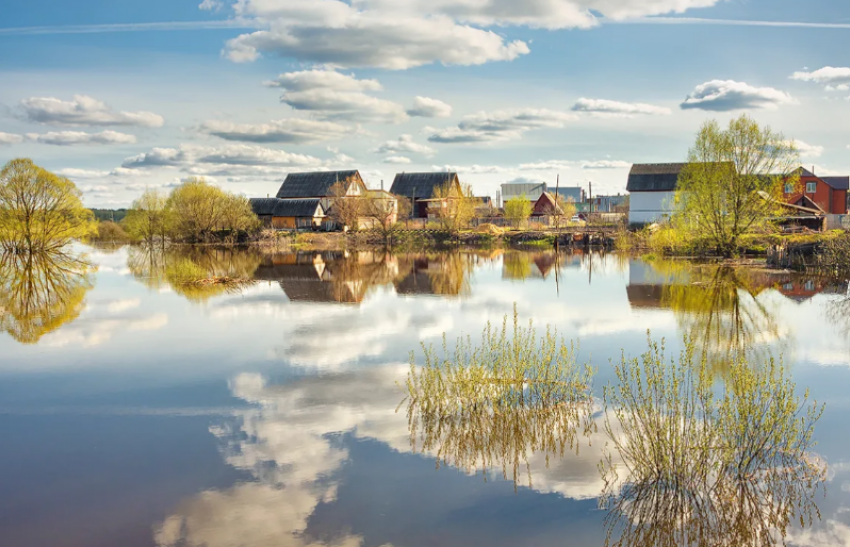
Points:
(40, 211)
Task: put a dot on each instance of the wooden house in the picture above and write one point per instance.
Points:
(289, 214)
(319, 185)
(546, 206)
(421, 189)
(829, 194)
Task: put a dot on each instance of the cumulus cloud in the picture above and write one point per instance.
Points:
(726, 95)
(807, 150)
(210, 5)
(328, 94)
(425, 107)
(9, 138)
(501, 125)
(396, 159)
(70, 138)
(335, 33)
(603, 107)
(291, 130)
(231, 154)
(405, 143)
(84, 110)
(549, 165)
(549, 14)
(834, 78)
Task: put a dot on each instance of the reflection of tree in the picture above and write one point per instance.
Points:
(156, 267)
(705, 466)
(718, 307)
(40, 292)
(443, 274)
(499, 404)
(517, 266)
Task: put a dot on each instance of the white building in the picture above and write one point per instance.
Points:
(652, 187)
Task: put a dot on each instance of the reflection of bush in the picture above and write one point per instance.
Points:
(40, 292)
(497, 404)
(706, 466)
(181, 268)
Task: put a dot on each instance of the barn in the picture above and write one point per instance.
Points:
(289, 214)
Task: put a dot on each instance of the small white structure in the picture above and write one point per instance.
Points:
(652, 187)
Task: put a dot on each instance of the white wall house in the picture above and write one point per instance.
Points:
(652, 187)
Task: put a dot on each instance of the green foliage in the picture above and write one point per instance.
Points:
(40, 211)
(492, 405)
(149, 218)
(196, 209)
(690, 463)
(733, 183)
(518, 210)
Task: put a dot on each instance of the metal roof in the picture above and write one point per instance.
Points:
(286, 207)
(837, 183)
(420, 185)
(315, 184)
(654, 177)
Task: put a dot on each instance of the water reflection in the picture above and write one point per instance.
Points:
(40, 292)
(691, 464)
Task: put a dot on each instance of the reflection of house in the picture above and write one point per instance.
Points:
(651, 188)
(828, 194)
(421, 189)
(289, 213)
(444, 275)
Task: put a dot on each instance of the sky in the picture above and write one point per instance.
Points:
(124, 96)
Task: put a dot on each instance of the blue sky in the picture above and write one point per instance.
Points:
(121, 96)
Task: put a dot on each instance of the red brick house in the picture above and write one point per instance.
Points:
(827, 193)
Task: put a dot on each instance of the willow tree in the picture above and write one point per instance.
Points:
(733, 182)
(40, 211)
(517, 210)
(456, 205)
(199, 208)
(149, 218)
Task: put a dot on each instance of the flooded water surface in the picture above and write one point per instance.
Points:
(137, 409)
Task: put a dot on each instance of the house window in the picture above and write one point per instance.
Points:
(810, 285)
(789, 188)
(811, 187)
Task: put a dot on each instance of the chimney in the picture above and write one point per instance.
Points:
(382, 185)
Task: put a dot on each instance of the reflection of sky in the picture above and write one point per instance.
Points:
(300, 397)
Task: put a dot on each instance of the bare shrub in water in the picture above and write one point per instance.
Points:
(690, 463)
(496, 404)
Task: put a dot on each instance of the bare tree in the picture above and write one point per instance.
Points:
(345, 210)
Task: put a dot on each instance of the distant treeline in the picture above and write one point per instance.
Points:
(115, 215)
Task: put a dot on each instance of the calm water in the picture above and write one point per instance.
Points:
(137, 412)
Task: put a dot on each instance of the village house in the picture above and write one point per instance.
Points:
(289, 214)
(421, 190)
(652, 187)
(545, 207)
(829, 194)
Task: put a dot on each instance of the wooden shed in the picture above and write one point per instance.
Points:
(289, 214)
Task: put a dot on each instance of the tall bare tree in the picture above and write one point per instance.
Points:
(345, 210)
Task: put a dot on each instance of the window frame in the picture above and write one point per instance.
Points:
(813, 185)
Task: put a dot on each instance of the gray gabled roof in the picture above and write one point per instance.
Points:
(837, 183)
(314, 185)
(654, 177)
(420, 185)
(285, 207)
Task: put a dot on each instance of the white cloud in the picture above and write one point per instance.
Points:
(84, 110)
(405, 144)
(501, 125)
(74, 173)
(834, 78)
(70, 138)
(807, 150)
(603, 107)
(396, 159)
(605, 164)
(549, 14)
(9, 138)
(230, 154)
(726, 95)
(331, 95)
(292, 130)
(471, 169)
(425, 107)
(549, 165)
(210, 5)
(334, 33)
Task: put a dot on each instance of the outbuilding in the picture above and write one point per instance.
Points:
(289, 214)
(652, 188)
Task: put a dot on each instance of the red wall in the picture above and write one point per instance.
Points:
(830, 200)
